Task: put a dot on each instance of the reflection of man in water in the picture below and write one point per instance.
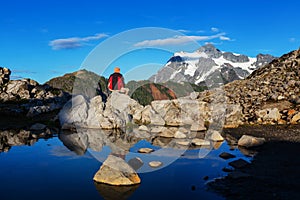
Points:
(116, 82)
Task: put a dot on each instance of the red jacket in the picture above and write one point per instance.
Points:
(116, 81)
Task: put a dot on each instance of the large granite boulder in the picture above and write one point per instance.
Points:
(268, 115)
(149, 116)
(234, 114)
(74, 113)
(95, 114)
(120, 108)
(250, 141)
(18, 88)
(115, 171)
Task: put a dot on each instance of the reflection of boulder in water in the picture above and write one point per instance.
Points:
(96, 139)
(231, 140)
(217, 145)
(162, 142)
(83, 139)
(74, 141)
(247, 152)
(110, 192)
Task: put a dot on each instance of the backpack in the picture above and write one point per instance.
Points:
(116, 81)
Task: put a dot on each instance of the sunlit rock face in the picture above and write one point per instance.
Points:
(115, 171)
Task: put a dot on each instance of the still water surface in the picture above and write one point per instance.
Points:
(50, 170)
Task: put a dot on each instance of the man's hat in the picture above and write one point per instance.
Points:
(117, 69)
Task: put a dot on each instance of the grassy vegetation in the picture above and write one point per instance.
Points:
(141, 90)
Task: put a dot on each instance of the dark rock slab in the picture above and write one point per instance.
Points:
(238, 164)
(226, 155)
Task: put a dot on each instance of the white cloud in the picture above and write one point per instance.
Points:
(177, 40)
(74, 42)
(68, 43)
(190, 31)
(183, 31)
(224, 38)
(214, 29)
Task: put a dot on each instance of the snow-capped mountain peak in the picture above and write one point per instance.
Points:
(196, 67)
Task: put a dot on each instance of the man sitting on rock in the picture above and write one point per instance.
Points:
(116, 82)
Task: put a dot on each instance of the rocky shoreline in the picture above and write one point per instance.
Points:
(25, 102)
(273, 173)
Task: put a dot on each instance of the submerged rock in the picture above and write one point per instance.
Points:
(226, 155)
(115, 171)
(145, 150)
(238, 175)
(155, 164)
(238, 164)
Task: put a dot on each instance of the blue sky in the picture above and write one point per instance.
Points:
(45, 39)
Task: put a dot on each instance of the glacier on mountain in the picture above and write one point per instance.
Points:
(199, 66)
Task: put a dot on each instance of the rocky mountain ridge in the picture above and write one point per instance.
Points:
(270, 95)
(208, 62)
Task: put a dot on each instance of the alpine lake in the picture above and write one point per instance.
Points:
(63, 165)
